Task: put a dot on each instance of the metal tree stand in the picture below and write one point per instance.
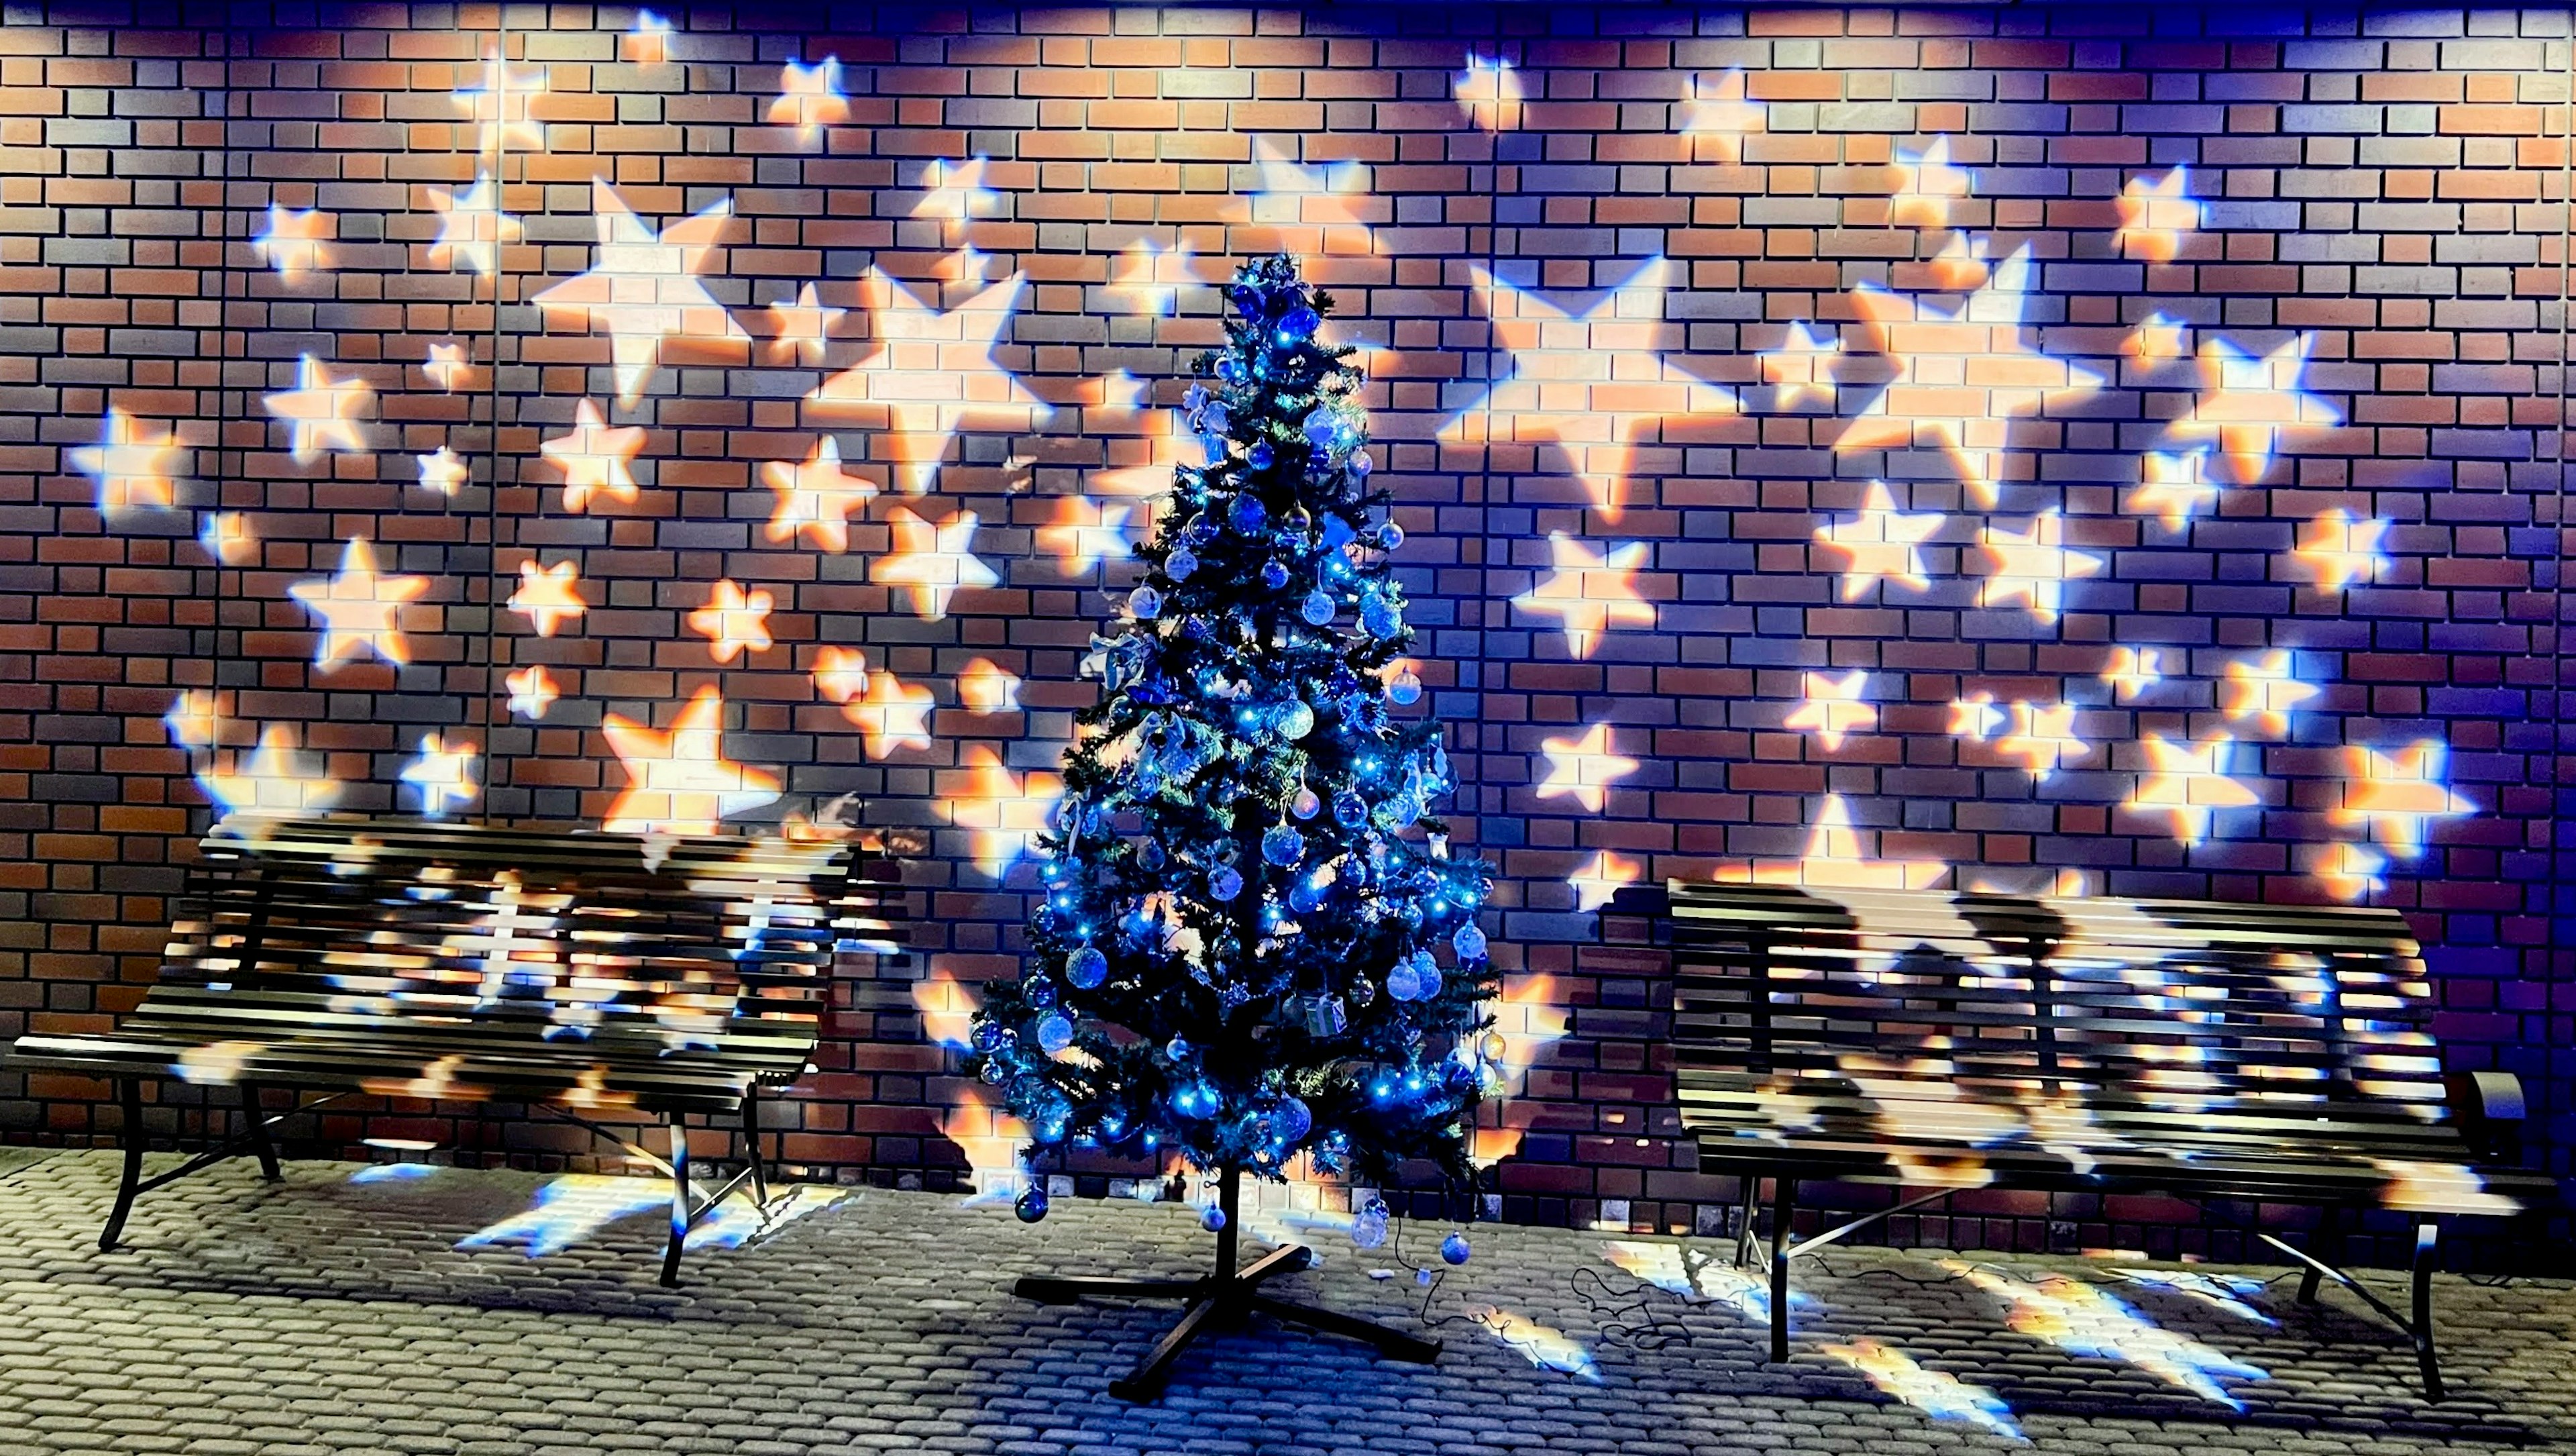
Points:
(1220, 1300)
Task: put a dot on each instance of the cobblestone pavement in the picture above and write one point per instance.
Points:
(332, 1315)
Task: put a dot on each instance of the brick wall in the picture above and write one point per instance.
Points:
(1579, 276)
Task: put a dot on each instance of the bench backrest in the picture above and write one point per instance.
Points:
(2088, 1033)
(634, 944)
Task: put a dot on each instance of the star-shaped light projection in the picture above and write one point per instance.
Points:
(1595, 384)
(1600, 880)
(596, 461)
(1975, 717)
(890, 714)
(810, 99)
(548, 595)
(1926, 185)
(2133, 671)
(2177, 488)
(2032, 566)
(227, 538)
(2043, 736)
(931, 375)
(296, 244)
(1960, 265)
(986, 687)
(2155, 340)
(1588, 592)
(1584, 768)
(969, 264)
(1003, 811)
(532, 691)
(933, 562)
(2348, 871)
(955, 191)
(2338, 551)
(1834, 708)
(192, 719)
(734, 621)
(1802, 367)
(443, 776)
(2188, 783)
(1141, 463)
(498, 107)
(1083, 535)
(320, 413)
(360, 610)
(2247, 404)
(648, 41)
(644, 288)
(2266, 689)
(2394, 797)
(1330, 200)
(1837, 856)
(275, 780)
(443, 471)
(1961, 377)
(1879, 544)
(471, 227)
(800, 327)
(678, 781)
(135, 467)
(1490, 90)
(2155, 215)
(817, 497)
(447, 367)
(1152, 276)
(840, 673)
(1720, 112)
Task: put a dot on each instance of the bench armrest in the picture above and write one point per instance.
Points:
(2490, 1109)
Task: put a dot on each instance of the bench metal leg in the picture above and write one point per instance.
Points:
(751, 1147)
(259, 1139)
(2329, 1227)
(129, 1095)
(1784, 1203)
(1747, 1237)
(2421, 1326)
(680, 1213)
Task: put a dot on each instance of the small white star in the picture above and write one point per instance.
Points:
(2188, 783)
(800, 328)
(2177, 488)
(447, 367)
(818, 496)
(2339, 550)
(734, 621)
(1879, 544)
(987, 687)
(955, 191)
(227, 538)
(2247, 404)
(1583, 769)
(1975, 717)
(2265, 689)
(2155, 215)
(295, 243)
(2394, 797)
(933, 562)
(1803, 366)
(2032, 566)
(444, 471)
(891, 715)
(1926, 184)
(1721, 111)
(546, 595)
(840, 673)
(498, 108)
(360, 610)
(320, 413)
(810, 99)
(443, 775)
(2348, 871)
(2043, 738)
(1834, 708)
(1083, 534)
(135, 468)
(274, 780)
(532, 691)
(1152, 276)
(1600, 881)
(472, 227)
(596, 461)
(1589, 593)
(2133, 671)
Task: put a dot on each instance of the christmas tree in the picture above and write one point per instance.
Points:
(1253, 943)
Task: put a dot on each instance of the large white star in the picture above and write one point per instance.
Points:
(1597, 385)
(2338, 550)
(1584, 768)
(890, 714)
(1834, 708)
(1589, 592)
(2155, 215)
(135, 468)
(2266, 689)
(1961, 378)
(472, 227)
(2394, 796)
(360, 610)
(1083, 534)
(818, 496)
(679, 781)
(1003, 812)
(275, 780)
(1838, 857)
(2247, 404)
(644, 288)
(955, 192)
(447, 367)
(295, 243)
(800, 328)
(498, 107)
(1804, 365)
(1879, 544)
(320, 413)
(933, 562)
(2177, 487)
(1721, 113)
(2188, 783)
(2042, 738)
(2032, 566)
(442, 775)
(1312, 210)
(931, 375)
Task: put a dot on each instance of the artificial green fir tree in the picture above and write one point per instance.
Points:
(1253, 942)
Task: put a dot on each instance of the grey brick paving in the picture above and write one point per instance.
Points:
(323, 1316)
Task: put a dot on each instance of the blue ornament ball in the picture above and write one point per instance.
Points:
(1086, 968)
(995, 1074)
(1299, 324)
(1349, 809)
(1454, 1250)
(1031, 1205)
(1055, 1032)
(1225, 884)
(1405, 689)
(1379, 617)
(1146, 603)
(1213, 1220)
(1319, 607)
(1248, 515)
(1283, 846)
(1389, 536)
(1180, 563)
(1038, 991)
(1260, 455)
(1291, 1120)
(1404, 983)
(1469, 942)
(1274, 574)
(1361, 464)
(1296, 721)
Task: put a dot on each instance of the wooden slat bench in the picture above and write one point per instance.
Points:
(1942, 1042)
(574, 973)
